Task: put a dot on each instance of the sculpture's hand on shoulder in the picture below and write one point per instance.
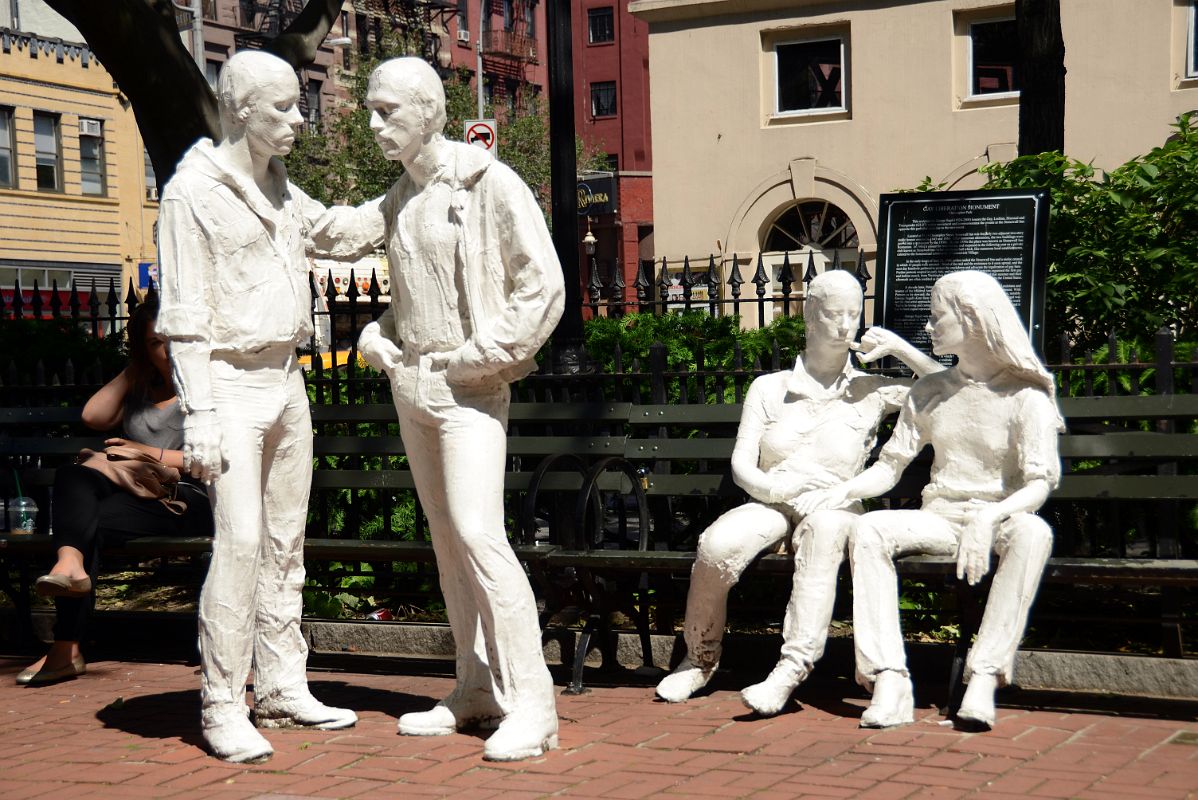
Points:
(202, 457)
(977, 540)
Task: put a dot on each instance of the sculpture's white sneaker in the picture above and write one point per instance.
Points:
(686, 679)
(769, 697)
(522, 736)
(301, 710)
(231, 737)
(977, 707)
(449, 716)
(893, 702)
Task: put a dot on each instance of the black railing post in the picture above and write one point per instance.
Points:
(735, 280)
(688, 282)
(643, 283)
(713, 286)
(760, 279)
(786, 278)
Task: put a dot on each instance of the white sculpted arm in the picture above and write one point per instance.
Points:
(344, 233)
(536, 297)
(1036, 426)
(185, 319)
(880, 342)
(762, 486)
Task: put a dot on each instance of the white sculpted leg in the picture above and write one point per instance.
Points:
(878, 539)
(820, 544)
(1023, 545)
(725, 549)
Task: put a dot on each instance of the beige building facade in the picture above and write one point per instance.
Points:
(777, 125)
(73, 199)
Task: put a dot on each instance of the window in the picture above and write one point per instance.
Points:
(249, 10)
(212, 73)
(810, 76)
(993, 52)
(209, 9)
(603, 99)
(530, 21)
(600, 25)
(150, 177)
(1192, 41)
(8, 164)
(511, 87)
(613, 162)
(312, 97)
(509, 17)
(47, 147)
(362, 23)
(91, 156)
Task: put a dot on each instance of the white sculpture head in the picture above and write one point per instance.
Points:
(258, 94)
(833, 310)
(971, 310)
(407, 107)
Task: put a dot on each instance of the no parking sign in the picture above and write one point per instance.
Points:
(481, 133)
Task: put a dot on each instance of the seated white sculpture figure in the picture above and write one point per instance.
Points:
(992, 422)
(800, 429)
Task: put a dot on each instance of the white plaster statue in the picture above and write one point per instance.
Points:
(992, 422)
(235, 303)
(476, 290)
(800, 430)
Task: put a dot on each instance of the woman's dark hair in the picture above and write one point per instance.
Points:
(144, 375)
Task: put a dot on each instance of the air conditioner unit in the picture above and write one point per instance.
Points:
(152, 193)
(89, 127)
(464, 37)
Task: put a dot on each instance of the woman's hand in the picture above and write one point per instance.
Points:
(820, 499)
(977, 540)
(878, 343)
(117, 441)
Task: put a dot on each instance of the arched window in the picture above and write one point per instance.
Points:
(811, 223)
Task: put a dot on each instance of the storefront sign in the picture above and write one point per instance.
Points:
(597, 195)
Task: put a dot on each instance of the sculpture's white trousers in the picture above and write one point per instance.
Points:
(456, 441)
(252, 600)
(727, 548)
(1023, 544)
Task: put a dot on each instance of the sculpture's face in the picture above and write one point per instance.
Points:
(273, 115)
(945, 327)
(835, 319)
(397, 122)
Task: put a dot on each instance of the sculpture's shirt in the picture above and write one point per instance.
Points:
(791, 425)
(1003, 435)
(234, 272)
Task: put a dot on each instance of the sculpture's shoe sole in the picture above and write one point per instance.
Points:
(521, 754)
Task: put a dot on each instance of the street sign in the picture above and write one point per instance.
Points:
(482, 133)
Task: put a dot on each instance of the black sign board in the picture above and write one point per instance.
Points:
(597, 195)
(923, 236)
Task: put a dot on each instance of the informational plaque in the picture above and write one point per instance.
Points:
(923, 236)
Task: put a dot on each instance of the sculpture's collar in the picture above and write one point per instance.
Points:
(461, 165)
(204, 158)
(801, 384)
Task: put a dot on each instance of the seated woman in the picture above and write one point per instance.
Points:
(993, 422)
(90, 511)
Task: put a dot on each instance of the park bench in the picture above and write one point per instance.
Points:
(672, 462)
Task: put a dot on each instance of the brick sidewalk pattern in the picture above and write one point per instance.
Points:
(131, 730)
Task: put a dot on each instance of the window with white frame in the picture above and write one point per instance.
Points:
(47, 147)
(312, 101)
(91, 156)
(810, 76)
(603, 99)
(1192, 41)
(993, 55)
(212, 73)
(151, 178)
(8, 163)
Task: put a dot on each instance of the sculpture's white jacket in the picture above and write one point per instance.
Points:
(512, 292)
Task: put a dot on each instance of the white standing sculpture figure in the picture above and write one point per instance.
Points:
(800, 429)
(235, 302)
(476, 290)
(992, 422)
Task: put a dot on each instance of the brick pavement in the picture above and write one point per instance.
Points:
(130, 730)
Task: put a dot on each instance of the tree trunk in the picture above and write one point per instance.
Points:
(138, 42)
(1041, 71)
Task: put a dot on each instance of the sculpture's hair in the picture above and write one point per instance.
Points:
(241, 76)
(421, 82)
(832, 281)
(979, 301)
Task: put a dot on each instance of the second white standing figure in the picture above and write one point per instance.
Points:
(476, 290)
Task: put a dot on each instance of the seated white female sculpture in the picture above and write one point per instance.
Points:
(800, 429)
(993, 422)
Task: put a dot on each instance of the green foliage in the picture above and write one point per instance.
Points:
(683, 333)
(1123, 246)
